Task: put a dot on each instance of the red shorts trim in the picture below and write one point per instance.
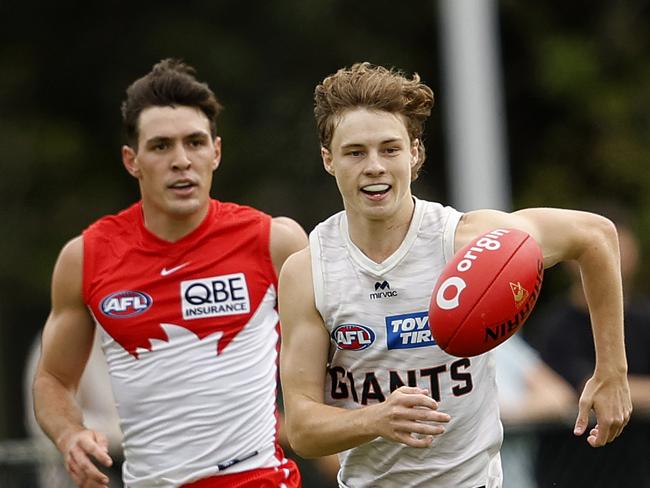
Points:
(285, 476)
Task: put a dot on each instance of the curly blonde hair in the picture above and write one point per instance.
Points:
(373, 87)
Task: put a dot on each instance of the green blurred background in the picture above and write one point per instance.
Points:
(576, 82)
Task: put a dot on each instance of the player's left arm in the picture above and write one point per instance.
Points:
(287, 237)
(592, 241)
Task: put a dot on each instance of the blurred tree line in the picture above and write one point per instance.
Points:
(577, 85)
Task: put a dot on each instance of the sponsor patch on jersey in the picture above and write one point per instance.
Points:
(353, 337)
(216, 296)
(408, 330)
(126, 303)
(382, 290)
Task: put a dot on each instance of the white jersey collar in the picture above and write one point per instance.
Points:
(379, 269)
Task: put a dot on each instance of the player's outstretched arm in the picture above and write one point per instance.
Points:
(313, 428)
(592, 241)
(66, 345)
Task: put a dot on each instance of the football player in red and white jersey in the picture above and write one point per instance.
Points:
(182, 290)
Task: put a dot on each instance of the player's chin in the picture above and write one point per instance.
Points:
(184, 207)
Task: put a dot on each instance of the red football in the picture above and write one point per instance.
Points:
(486, 292)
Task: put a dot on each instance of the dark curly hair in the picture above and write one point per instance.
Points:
(170, 83)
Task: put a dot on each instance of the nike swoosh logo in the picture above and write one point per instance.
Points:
(165, 271)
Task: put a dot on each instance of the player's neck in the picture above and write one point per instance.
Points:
(379, 239)
(169, 227)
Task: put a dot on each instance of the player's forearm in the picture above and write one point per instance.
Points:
(601, 277)
(56, 409)
(316, 430)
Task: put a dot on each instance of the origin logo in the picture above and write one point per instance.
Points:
(353, 337)
(125, 304)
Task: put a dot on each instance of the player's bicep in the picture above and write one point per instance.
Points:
(566, 235)
(561, 234)
(68, 333)
(305, 342)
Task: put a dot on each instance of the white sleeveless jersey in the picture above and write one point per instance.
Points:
(377, 318)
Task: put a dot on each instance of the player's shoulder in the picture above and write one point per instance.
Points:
(70, 259)
(287, 235)
(73, 248)
(286, 225)
(474, 223)
(300, 259)
(298, 264)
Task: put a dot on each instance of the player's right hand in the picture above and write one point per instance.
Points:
(79, 451)
(410, 416)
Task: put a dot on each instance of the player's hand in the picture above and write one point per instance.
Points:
(405, 417)
(80, 452)
(610, 399)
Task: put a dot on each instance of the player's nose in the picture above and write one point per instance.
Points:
(374, 164)
(181, 159)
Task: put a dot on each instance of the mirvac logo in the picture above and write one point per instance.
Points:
(382, 290)
(408, 330)
(215, 297)
(123, 304)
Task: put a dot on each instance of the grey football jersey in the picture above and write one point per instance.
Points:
(376, 314)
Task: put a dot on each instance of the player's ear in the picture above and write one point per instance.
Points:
(130, 161)
(217, 153)
(326, 156)
(415, 153)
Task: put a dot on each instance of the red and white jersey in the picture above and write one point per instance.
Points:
(190, 333)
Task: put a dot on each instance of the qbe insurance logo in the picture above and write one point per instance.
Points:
(408, 330)
(215, 297)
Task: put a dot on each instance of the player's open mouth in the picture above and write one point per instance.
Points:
(181, 185)
(376, 190)
(182, 188)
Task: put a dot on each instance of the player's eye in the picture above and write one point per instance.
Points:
(160, 146)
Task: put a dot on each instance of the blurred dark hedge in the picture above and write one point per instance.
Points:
(577, 85)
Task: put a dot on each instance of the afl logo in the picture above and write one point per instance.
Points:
(125, 304)
(353, 337)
